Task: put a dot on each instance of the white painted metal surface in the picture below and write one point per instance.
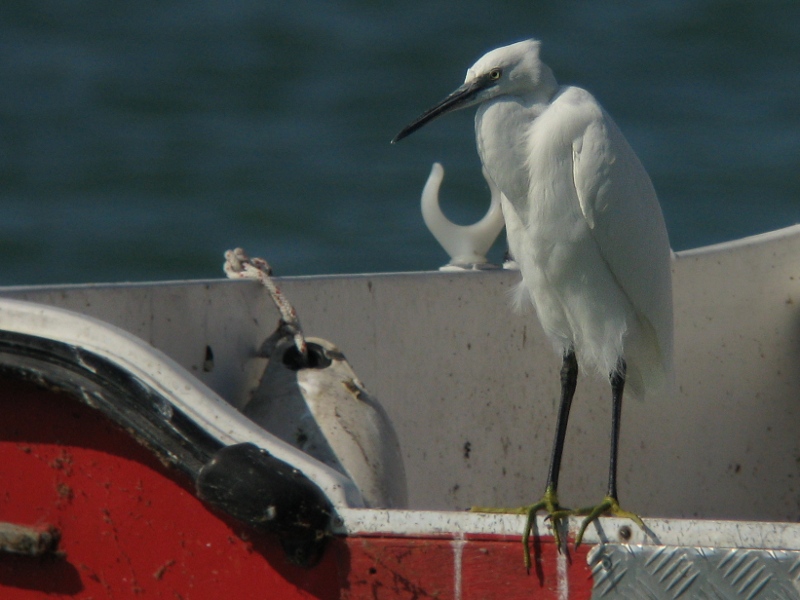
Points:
(471, 389)
(661, 532)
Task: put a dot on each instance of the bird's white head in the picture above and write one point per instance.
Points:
(514, 70)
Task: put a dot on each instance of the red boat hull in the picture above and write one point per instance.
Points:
(132, 527)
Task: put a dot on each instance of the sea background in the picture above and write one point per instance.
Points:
(140, 140)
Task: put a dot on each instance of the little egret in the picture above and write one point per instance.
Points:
(584, 225)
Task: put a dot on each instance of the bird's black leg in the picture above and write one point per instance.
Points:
(611, 504)
(617, 387)
(569, 380)
(549, 503)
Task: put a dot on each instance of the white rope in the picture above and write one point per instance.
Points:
(240, 266)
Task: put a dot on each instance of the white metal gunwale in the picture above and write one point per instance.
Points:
(661, 532)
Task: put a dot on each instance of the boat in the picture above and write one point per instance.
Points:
(130, 470)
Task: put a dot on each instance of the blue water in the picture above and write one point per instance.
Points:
(139, 140)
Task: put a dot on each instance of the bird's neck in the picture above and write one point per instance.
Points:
(500, 128)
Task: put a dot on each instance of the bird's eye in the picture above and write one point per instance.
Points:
(495, 73)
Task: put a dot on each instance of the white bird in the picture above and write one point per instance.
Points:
(585, 226)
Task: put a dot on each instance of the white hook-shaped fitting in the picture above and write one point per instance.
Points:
(467, 245)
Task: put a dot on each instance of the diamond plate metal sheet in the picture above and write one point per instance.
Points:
(635, 572)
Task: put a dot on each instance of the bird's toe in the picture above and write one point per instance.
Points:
(609, 506)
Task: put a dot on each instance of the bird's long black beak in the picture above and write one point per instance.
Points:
(460, 98)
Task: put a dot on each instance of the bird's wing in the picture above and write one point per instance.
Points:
(620, 206)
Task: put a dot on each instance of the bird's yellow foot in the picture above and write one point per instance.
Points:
(609, 506)
(549, 504)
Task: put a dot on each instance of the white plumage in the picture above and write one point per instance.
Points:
(582, 218)
(585, 227)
